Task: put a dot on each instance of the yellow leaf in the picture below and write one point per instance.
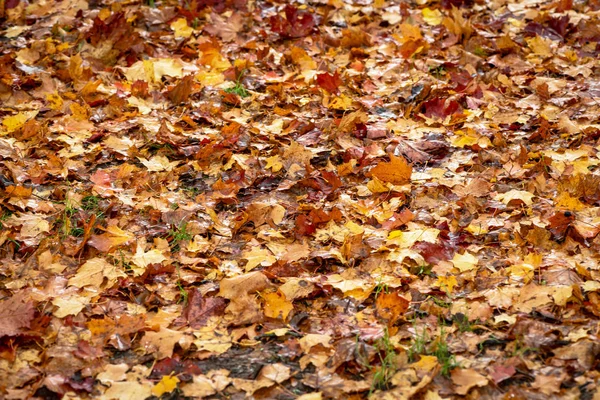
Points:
(93, 272)
(181, 28)
(376, 186)
(104, 14)
(311, 340)
(210, 78)
(564, 200)
(55, 102)
(562, 294)
(166, 385)
(465, 379)
(425, 363)
(69, 305)
(141, 259)
(80, 113)
(408, 33)
(523, 271)
(446, 283)
(540, 46)
(276, 305)
(128, 390)
(302, 59)
(464, 262)
(477, 229)
(407, 239)
(396, 172)
(462, 139)
(342, 102)
(257, 256)
(274, 163)
(215, 59)
(432, 17)
(15, 122)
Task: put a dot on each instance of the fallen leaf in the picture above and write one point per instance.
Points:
(16, 315)
(397, 171)
(466, 379)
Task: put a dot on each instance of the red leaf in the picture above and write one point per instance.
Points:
(560, 223)
(433, 253)
(329, 82)
(501, 373)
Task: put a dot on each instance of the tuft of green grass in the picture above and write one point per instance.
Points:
(5, 215)
(441, 303)
(90, 203)
(520, 349)
(424, 270)
(178, 235)
(462, 323)
(479, 51)
(381, 288)
(387, 368)
(238, 89)
(446, 359)
(183, 293)
(419, 343)
(65, 219)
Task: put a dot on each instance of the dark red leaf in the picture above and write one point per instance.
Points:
(295, 24)
(441, 108)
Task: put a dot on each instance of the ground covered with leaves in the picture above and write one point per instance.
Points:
(313, 200)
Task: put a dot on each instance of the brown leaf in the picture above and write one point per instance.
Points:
(199, 309)
(182, 91)
(16, 315)
(466, 379)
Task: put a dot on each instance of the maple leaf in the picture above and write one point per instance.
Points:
(166, 385)
(397, 171)
(182, 91)
(141, 259)
(295, 24)
(199, 309)
(390, 306)
(226, 29)
(440, 108)
(277, 305)
(465, 379)
(16, 315)
(329, 82)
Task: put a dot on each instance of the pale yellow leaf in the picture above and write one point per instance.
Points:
(465, 262)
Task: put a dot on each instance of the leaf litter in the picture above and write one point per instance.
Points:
(228, 199)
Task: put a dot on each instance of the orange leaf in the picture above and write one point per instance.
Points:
(391, 305)
(397, 171)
